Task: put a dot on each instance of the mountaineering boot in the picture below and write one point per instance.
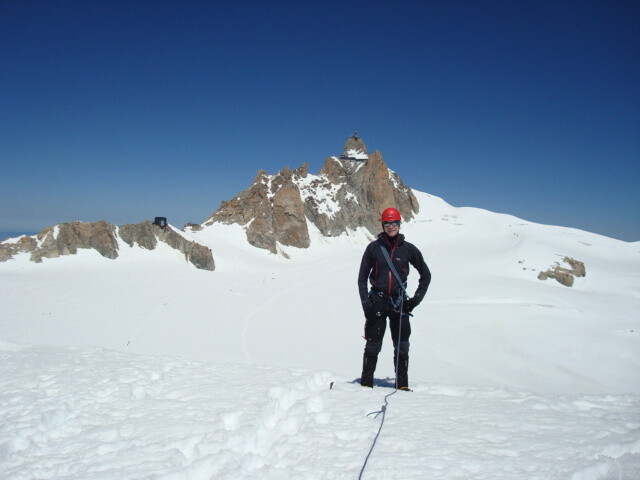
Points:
(402, 373)
(368, 368)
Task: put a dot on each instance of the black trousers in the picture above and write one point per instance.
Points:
(375, 328)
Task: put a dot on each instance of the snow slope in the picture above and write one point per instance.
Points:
(97, 414)
(486, 320)
(145, 367)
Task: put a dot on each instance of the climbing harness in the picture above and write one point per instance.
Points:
(391, 302)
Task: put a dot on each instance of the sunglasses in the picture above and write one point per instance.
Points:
(390, 224)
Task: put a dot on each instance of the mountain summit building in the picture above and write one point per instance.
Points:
(354, 148)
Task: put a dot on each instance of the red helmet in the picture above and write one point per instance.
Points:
(390, 215)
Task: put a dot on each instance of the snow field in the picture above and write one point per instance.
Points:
(241, 390)
(486, 319)
(97, 414)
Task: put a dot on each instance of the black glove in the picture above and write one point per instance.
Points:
(409, 304)
(368, 308)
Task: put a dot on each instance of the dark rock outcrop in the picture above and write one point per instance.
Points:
(141, 234)
(24, 244)
(563, 275)
(354, 144)
(67, 238)
(345, 195)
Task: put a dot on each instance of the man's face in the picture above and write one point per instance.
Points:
(391, 228)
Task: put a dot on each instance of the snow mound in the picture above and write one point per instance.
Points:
(97, 414)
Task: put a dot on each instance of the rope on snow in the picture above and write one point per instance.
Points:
(383, 409)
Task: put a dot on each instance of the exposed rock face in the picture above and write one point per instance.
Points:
(24, 244)
(67, 238)
(345, 195)
(142, 234)
(64, 239)
(289, 221)
(354, 142)
(147, 235)
(563, 275)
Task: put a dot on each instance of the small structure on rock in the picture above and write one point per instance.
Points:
(354, 149)
(160, 222)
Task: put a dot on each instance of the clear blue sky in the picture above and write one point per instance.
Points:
(126, 110)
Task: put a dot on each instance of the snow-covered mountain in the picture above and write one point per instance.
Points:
(242, 357)
(345, 195)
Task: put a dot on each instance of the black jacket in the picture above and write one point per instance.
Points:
(374, 267)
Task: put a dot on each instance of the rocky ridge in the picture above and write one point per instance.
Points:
(67, 238)
(343, 196)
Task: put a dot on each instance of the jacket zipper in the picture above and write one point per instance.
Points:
(390, 281)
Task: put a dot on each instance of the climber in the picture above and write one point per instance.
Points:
(387, 297)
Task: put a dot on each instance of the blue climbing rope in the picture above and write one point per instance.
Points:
(383, 409)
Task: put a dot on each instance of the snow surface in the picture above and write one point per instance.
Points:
(320, 189)
(145, 367)
(99, 414)
(356, 154)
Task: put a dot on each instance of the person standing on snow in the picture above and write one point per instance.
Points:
(387, 297)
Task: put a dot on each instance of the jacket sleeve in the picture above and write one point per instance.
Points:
(363, 274)
(425, 275)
